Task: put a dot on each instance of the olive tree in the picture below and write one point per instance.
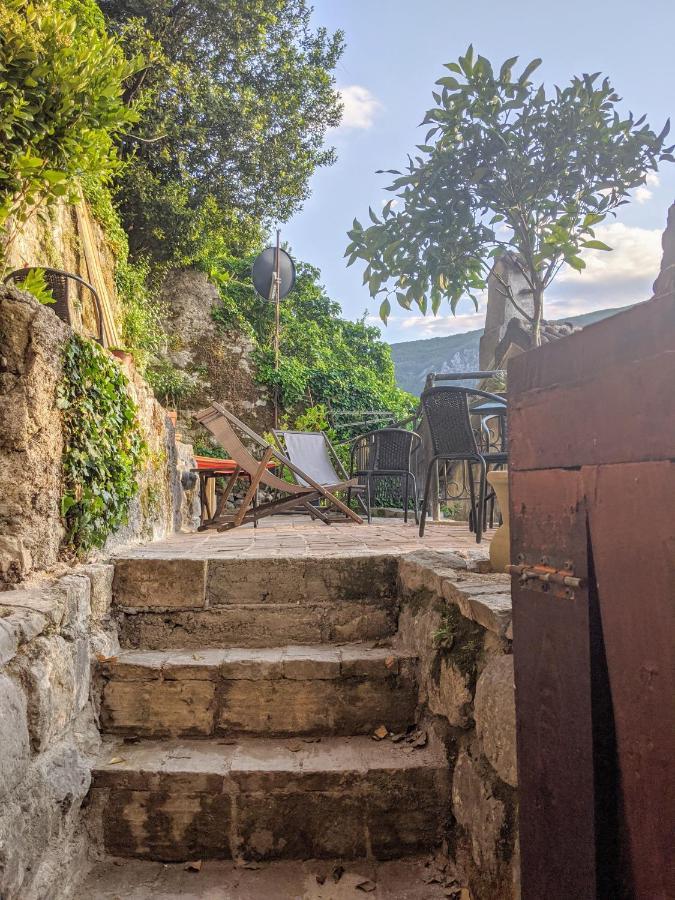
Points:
(505, 167)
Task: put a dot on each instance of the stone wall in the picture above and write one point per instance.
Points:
(218, 362)
(32, 340)
(50, 638)
(456, 618)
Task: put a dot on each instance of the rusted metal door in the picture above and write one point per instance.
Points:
(592, 487)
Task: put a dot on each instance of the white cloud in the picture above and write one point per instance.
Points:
(635, 258)
(360, 106)
(644, 193)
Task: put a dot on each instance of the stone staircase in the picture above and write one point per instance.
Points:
(239, 717)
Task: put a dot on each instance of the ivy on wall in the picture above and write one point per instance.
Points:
(103, 447)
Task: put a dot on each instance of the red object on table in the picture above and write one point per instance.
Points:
(222, 466)
(211, 462)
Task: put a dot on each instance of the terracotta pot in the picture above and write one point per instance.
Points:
(124, 356)
(500, 547)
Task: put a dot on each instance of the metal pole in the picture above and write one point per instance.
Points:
(277, 325)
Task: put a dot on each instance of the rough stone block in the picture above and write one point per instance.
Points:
(159, 708)
(75, 591)
(170, 827)
(56, 680)
(100, 577)
(303, 663)
(9, 642)
(257, 625)
(482, 814)
(495, 714)
(14, 740)
(449, 693)
(147, 583)
(302, 825)
(299, 580)
(484, 599)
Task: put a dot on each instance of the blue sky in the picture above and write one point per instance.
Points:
(395, 52)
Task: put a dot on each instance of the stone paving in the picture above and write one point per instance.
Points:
(299, 536)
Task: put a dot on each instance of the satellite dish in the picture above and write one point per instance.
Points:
(264, 268)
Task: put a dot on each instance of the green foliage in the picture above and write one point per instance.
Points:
(172, 387)
(236, 101)
(325, 360)
(36, 284)
(102, 445)
(504, 167)
(60, 104)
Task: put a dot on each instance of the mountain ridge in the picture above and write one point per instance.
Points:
(413, 360)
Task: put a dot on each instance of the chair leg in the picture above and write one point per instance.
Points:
(405, 498)
(415, 499)
(473, 525)
(425, 501)
(368, 498)
(480, 512)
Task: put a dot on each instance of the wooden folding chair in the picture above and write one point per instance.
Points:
(303, 493)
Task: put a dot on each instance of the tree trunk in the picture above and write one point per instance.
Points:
(538, 297)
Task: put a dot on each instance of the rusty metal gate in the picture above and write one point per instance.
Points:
(592, 481)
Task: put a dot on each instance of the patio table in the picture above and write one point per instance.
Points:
(208, 469)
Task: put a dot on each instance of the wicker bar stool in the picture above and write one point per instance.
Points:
(58, 283)
(446, 410)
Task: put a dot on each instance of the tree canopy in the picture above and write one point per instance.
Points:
(505, 166)
(236, 100)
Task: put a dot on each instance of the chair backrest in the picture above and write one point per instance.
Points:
(58, 281)
(386, 449)
(309, 451)
(446, 410)
(221, 428)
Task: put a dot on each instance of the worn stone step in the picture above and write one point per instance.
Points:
(258, 625)
(147, 580)
(285, 690)
(263, 798)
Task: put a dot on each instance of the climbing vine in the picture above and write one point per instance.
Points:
(103, 447)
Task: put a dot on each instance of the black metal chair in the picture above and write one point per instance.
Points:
(58, 283)
(385, 453)
(448, 416)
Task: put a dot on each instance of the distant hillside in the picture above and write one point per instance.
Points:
(413, 360)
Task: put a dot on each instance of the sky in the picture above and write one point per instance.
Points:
(395, 52)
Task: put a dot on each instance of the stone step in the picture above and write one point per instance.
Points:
(285, 690)
(148, 580)
(258, 625)
(266, 798)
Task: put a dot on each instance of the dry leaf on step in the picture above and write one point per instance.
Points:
(294, 746)
(116, 759)
(102, 658)
(397, 738)
(194, 866)
(367, 886)
(390, 662)
(380, 733)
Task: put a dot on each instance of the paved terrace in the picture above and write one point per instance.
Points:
(299, 536)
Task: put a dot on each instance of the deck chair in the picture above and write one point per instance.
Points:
(313, 452)
(222, 424)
